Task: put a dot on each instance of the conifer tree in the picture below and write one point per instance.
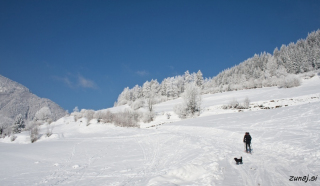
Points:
(18, 125)
(187, 77)
(199, 79)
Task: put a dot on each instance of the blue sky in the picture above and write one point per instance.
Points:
(84, 53)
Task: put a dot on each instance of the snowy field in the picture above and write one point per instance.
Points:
(284, 125)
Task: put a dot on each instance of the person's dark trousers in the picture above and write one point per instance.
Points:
(248, 145)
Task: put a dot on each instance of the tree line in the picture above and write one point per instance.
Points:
(261, 70)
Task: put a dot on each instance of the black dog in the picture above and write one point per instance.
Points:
(238, 161)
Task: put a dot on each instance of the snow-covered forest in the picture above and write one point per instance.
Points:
(264, 70)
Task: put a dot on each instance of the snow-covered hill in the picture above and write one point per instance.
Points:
(284, 125)
(16, 99)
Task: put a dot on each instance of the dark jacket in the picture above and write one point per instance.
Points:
(247, 138)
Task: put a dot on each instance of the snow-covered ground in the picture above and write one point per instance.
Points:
(284, 125)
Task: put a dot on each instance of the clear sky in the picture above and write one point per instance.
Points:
(84, 53)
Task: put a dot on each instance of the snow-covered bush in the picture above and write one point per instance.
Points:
(88, 114)
(137, 104)
(191, 102)
(5, 126)
(181, 110)
(246, 103)
(126, 118)
(76, 115)
(234, 104)
(168, 115)
(148, 117)
(34, 131)
(107, 116)
(290, 81)
(98, 115)
(13, 137)
(49, 130)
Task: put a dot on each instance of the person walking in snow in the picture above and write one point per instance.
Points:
(247, 139)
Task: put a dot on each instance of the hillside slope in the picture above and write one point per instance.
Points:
(197, 151)
(16, 99)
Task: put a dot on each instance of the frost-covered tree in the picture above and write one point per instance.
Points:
(199, 79)
(170, 88)
(150, 92)
(187, 78)
(150, 100)
(124, 97)
(44, 114)
(192, 98)
(146, 88)
(271, 67)
(180, 84)
(18, 125)
(163, 87)
(154, 86)
(76, 109)
(137, 92)
(191, 102)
